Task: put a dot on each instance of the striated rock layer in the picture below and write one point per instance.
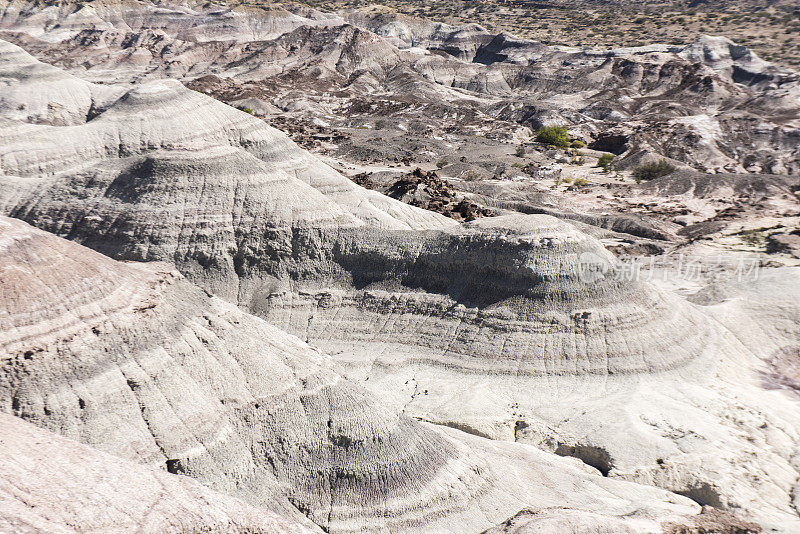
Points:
(52, 484)
(135, 361)
(242, 210)
(518, 328)
(712, 104)
(39, 93)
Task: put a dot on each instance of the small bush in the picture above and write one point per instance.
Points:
(580, 182)
(606, 161)
(554, 136)
(754, 237)
(441, 163)
(248, 110)
(577, 143)
(651, 171)
(520, 151)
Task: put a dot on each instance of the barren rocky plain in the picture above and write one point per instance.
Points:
(356, 268)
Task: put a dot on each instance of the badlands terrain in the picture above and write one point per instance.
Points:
(770, 27)
(282, 268)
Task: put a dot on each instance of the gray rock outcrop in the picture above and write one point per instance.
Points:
(52, 484)
(135, 361)
(517, 328)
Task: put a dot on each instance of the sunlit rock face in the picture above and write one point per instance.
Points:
(713, 104)
(514, 328)
(53, 484)
(242, 210)
(135, 361)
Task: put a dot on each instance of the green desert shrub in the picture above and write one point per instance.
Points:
(754, 237)
(577, 143)
(653, 170)
(554, 136)
(605, 161)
